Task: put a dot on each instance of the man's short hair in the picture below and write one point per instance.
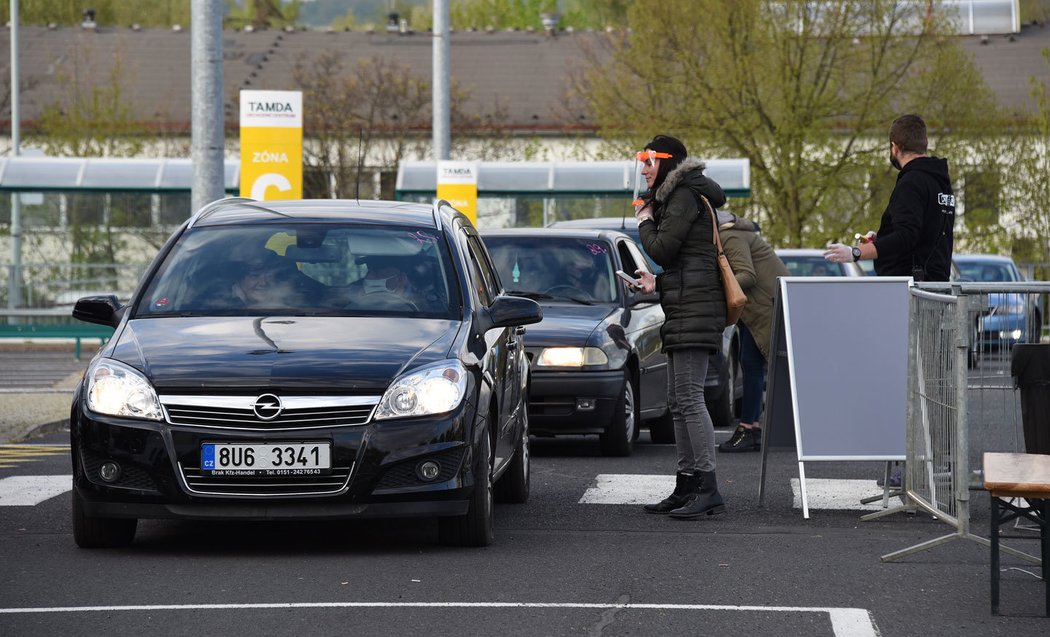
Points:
(909, 133)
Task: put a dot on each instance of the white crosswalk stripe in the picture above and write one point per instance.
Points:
(629, 488)
(25, 491)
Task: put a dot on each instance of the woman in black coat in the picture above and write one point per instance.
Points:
(675, 230)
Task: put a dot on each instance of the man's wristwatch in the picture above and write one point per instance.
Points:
(856, 254)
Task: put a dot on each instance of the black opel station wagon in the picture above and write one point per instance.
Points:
(306, 359)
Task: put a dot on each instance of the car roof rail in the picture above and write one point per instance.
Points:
(215, 205)
(437, 212)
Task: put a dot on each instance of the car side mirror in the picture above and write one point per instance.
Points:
(103, 310)
(639, 298)
(507, 311)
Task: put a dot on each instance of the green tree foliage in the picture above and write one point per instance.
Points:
(147, 13)
(261, 14)
(1029, 186)
(521, 14)
(806, 91)
(92, 120)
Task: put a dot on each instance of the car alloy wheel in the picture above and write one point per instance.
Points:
(513, 486)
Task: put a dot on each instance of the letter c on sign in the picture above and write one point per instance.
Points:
(269, 179)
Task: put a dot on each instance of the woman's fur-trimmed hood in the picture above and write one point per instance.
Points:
(679, 176)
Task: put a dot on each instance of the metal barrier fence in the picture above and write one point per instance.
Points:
(962, 400)
(48, 285)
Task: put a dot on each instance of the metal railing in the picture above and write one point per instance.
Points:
(962, 400)
(44, 286)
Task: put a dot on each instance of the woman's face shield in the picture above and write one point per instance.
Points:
(648, 159)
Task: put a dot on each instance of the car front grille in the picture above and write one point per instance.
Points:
(238, 412)
(203, 483)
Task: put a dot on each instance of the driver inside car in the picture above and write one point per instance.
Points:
(585, 274)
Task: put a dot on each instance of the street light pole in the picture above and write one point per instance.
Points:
(207, 145)
(14, 281)
(442, 115)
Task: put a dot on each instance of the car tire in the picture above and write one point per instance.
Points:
(97, 533)
(475, 527)
(618, 439)
(661, 430)
(513, 485)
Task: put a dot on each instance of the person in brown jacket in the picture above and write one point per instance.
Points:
(757, 268)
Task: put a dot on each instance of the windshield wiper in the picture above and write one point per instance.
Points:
(535, 296)
(574, 299)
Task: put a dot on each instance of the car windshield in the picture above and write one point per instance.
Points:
(811, 266)
(630, 229)
(579, 270)
(304, 269)
(988, 272)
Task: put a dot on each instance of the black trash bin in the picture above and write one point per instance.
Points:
(1030, 367)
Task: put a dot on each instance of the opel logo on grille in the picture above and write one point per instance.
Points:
(267, 407)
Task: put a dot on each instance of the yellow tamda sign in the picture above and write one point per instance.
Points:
(272, 144)
(457, 183)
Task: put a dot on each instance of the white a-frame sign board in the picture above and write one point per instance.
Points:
(846, 344)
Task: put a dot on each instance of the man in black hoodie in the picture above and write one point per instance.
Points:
(915, 236)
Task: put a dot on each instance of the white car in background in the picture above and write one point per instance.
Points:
(811, 262)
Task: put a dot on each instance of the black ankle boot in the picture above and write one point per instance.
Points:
(743, 439)
(686, 485)
(707, 502)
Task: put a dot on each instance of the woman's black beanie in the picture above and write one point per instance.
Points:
(671, 146)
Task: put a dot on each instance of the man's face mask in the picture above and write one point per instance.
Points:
(373, 286)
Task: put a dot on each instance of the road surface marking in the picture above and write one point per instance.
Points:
(845, 622)
(629, 488)
(823, 493)
(27, 491)
(12, 455)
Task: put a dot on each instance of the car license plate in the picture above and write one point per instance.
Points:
(283, 459)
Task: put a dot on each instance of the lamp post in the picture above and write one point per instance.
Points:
(14, 280)
(442, 115)
(207, 145)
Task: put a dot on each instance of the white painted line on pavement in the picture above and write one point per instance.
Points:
(845, 622)
(631, 488)
(824, 493)
(628, 488)
(27, 491)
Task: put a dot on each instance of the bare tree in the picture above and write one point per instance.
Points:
(377, 112)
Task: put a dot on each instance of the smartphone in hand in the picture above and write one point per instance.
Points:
(628, 279)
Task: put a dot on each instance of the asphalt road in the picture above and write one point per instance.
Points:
(559, 566)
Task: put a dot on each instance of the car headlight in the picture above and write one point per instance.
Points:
(571, 357)
(117, 389)
(434, 389)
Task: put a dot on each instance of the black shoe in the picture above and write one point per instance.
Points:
(895, 479)
(743, 439)
(707, 502)
(686, 486)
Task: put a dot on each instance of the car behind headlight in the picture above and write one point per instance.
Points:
(117, 389)
(434, 389)
(571, 357)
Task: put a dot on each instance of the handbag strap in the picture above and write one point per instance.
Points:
(717, 240)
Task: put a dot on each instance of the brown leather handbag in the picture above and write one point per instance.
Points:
(735, 297)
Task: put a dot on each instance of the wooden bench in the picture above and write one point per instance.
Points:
(1025, 476)
(77, 332)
